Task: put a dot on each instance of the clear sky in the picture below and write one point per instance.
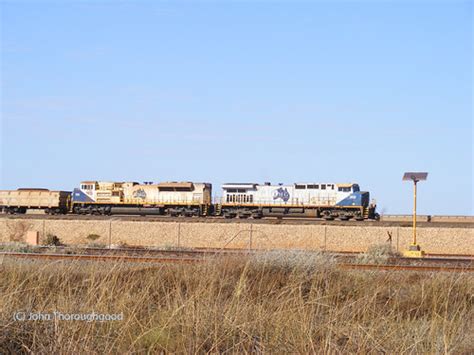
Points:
(241, 92)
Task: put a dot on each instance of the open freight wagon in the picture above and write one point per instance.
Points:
(18, 201)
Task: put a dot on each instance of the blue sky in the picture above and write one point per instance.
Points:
(242, 91)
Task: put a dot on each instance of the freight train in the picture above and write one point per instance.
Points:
(342, 201)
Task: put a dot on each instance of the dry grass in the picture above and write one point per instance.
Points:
(281, 302)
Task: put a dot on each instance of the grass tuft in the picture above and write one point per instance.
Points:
(378, 254)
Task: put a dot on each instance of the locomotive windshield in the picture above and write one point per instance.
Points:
(353, 188)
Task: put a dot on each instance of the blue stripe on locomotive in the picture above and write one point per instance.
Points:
(355, 199)
(79, 196)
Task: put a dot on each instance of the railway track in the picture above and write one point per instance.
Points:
(388, 267)
(343, 260)
(202, 252)
(138, 251)
(459, 223)
(91, 257)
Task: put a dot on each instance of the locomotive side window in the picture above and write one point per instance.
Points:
(323, 187)
(344, 189)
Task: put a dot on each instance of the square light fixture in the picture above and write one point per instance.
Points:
(418, 176)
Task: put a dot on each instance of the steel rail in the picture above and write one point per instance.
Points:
(432, 257)
(385, 267)
(161, 260)
(118, 258)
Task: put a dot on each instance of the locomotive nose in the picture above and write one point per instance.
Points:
(365, 198)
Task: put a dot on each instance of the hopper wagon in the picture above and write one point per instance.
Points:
(18, 201)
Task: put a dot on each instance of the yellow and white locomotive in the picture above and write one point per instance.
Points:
(172, 198)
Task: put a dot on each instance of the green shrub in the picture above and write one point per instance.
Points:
(52, 240)
(93, 237)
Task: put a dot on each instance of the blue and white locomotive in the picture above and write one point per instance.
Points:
(327, 200)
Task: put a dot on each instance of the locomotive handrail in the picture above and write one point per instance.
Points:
(292, 202)
(161, 201)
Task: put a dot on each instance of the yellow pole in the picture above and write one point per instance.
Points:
(414, 212)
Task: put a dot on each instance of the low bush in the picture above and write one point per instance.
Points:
(52, 240)
(93, 237)
(17, 247)
(378, 254)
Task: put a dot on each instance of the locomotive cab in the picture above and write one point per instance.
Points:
(350, 195)
(86, 192)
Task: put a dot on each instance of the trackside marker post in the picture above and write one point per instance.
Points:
(414, 250)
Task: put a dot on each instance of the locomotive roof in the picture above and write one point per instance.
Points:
(31, 189)
(173, 184)
(231, 185)
(345, 184)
